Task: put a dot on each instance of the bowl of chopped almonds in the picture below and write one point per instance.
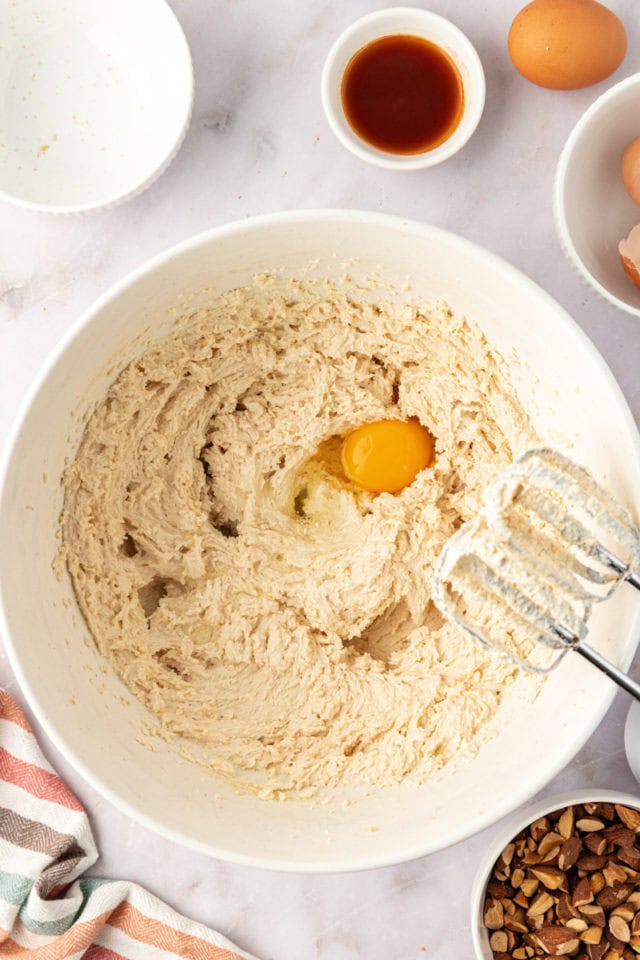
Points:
(562, 880)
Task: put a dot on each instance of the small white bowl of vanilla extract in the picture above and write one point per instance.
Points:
(403, 88)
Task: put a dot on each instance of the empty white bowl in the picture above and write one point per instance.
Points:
(85, 708)
(511, 827)
(593, 210)
(95, 99)
(418, 23)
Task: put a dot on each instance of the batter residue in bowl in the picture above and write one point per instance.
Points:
(251, 598)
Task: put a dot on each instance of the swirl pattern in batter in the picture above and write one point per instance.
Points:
(257, 603)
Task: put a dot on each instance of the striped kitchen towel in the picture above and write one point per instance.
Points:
(48, 909)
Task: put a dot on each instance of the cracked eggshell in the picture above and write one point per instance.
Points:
(629, 251)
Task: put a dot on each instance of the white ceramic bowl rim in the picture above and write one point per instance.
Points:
(393, 20)
(559, 186)
(138, 813)
(511, 828)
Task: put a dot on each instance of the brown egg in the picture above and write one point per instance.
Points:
(630, 170)
(566, 44)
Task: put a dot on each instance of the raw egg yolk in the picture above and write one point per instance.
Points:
(386, 456)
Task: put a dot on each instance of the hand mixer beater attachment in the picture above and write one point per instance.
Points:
(524, 575)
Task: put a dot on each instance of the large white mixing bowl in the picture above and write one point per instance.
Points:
(84, 707)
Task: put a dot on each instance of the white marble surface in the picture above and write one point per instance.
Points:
(258, 142)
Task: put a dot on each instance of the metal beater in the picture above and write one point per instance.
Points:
(548, 544)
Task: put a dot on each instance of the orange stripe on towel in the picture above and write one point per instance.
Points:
(77, 938)
(157, 934)
(9, 710)
(96, 952)
(36, 781)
